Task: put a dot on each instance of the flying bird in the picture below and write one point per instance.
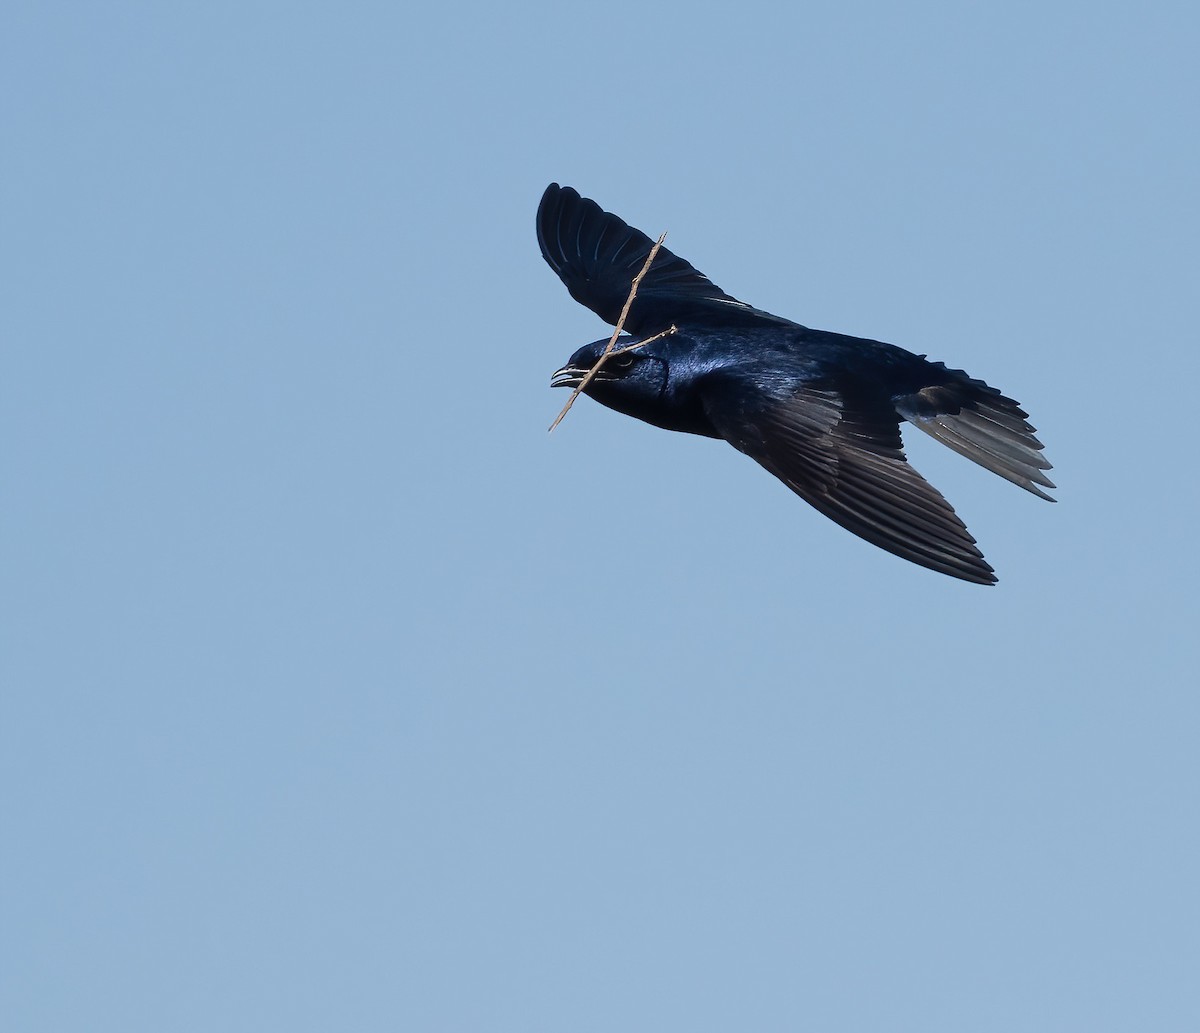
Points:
(819, 410)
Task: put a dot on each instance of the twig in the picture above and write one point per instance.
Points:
(608, 349)
(672, 329)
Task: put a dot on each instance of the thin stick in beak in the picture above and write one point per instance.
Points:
(616, 333)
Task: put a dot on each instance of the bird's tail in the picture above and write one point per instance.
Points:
(977, 421)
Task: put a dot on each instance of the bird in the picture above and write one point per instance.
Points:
(821, 411)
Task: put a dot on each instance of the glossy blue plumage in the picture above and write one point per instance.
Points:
(819, 410)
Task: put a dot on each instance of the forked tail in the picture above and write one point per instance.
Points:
(977, 421)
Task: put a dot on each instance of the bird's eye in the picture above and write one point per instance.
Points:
(624, 361)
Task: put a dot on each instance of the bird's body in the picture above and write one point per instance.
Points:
(778, 360)
(819, 410)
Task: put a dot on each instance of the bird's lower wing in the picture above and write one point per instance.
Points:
(845, 459)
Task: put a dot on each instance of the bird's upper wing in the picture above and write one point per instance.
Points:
(843, 456)
(597, 255)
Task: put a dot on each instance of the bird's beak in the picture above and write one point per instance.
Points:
(568, 376)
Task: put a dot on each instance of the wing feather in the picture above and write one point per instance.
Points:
(597, 255)
(844, 458)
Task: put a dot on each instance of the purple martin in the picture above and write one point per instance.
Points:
(819, 410)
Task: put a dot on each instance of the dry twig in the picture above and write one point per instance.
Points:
(608, 349)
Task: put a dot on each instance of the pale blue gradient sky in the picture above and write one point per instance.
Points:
(336, 695)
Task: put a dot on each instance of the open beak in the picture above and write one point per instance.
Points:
(568, 376)
(572, 376)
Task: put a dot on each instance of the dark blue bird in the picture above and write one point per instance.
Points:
(819, 410)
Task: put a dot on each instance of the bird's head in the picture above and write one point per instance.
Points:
(628, 381)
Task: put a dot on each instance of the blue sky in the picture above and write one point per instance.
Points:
(338, 695)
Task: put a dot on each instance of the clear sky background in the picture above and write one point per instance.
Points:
(339, 696)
